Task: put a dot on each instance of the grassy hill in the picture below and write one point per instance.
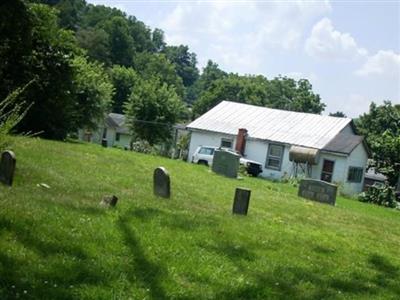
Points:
(58, 243)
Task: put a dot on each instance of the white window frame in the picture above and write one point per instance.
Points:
(273, 157)
(227, 140)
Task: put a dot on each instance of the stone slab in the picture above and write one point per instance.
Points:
(225, 163)
(318, 190)
(241, 201)
(161, 183)
(7, 167)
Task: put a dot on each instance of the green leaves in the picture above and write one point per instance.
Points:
(280, 93)
(152, 110)
(381, 127)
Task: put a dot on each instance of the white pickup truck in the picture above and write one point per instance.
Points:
(204, 156)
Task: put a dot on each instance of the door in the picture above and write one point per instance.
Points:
(327, 170)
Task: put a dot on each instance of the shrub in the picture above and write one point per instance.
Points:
(382, 195)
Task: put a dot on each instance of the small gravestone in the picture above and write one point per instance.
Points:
(318, 190)
(7, 167)
(241, 201)
(109, 201)
(225, 163)
(161, 183)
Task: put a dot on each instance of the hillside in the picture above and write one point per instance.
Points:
(58, 243)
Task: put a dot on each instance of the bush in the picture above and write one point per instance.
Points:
(382, 195)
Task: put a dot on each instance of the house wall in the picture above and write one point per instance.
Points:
(357, 158)
(257, 150)
(339, 167)
(205, 138)
(124, 140)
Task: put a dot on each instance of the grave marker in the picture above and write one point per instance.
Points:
(241, 201)
(318, 190)
(161, 183)
(7, 167)
(225, 163)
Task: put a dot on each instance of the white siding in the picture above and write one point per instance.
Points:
(124, 140)
(203, 138)
(339, 168)
(257, 150)
(357, 158)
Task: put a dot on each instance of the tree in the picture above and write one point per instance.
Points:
(69, 92)
(339, 114)
(211, 72)
(93, 93)
(152, 110)
(157, 38)
(185, 63)
(289, 94)
(281, 93)
(157, 65)
(15, 45)
(381, 128)
(96, 43)
(124, 80)
(120, 41)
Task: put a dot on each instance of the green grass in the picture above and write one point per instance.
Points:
(59, 243)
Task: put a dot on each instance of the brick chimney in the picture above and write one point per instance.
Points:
(241, 140)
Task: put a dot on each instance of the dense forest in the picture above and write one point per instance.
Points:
(87, 60)
(73, 62)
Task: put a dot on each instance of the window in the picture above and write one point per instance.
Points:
(117, 136)
(274, 157)
(355, 174)
(206, 151)
(327, 170)
(226, 143)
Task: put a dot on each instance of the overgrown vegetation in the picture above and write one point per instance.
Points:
(381, 127)
(59, 243)
(12, 111)
(381, 194)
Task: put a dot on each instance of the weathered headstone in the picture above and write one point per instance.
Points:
(109, 201)
(161, 183)
(225, 163)
(241, 201)
(7, 167)
(318, 190)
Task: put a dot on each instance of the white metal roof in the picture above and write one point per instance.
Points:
(304, 129)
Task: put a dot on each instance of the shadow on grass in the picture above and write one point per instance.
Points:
(234, 252)
(44, 269)
(173, 220)
(313, 283)
(142, 269)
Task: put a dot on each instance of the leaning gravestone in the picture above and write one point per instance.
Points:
(161, 183)
(225, 163)
(318, 190)
(241, 201)
(7, 167)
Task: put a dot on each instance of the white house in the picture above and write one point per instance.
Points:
(113, 130)
(286, 143)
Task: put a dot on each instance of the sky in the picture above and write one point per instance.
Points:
(348, 50)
